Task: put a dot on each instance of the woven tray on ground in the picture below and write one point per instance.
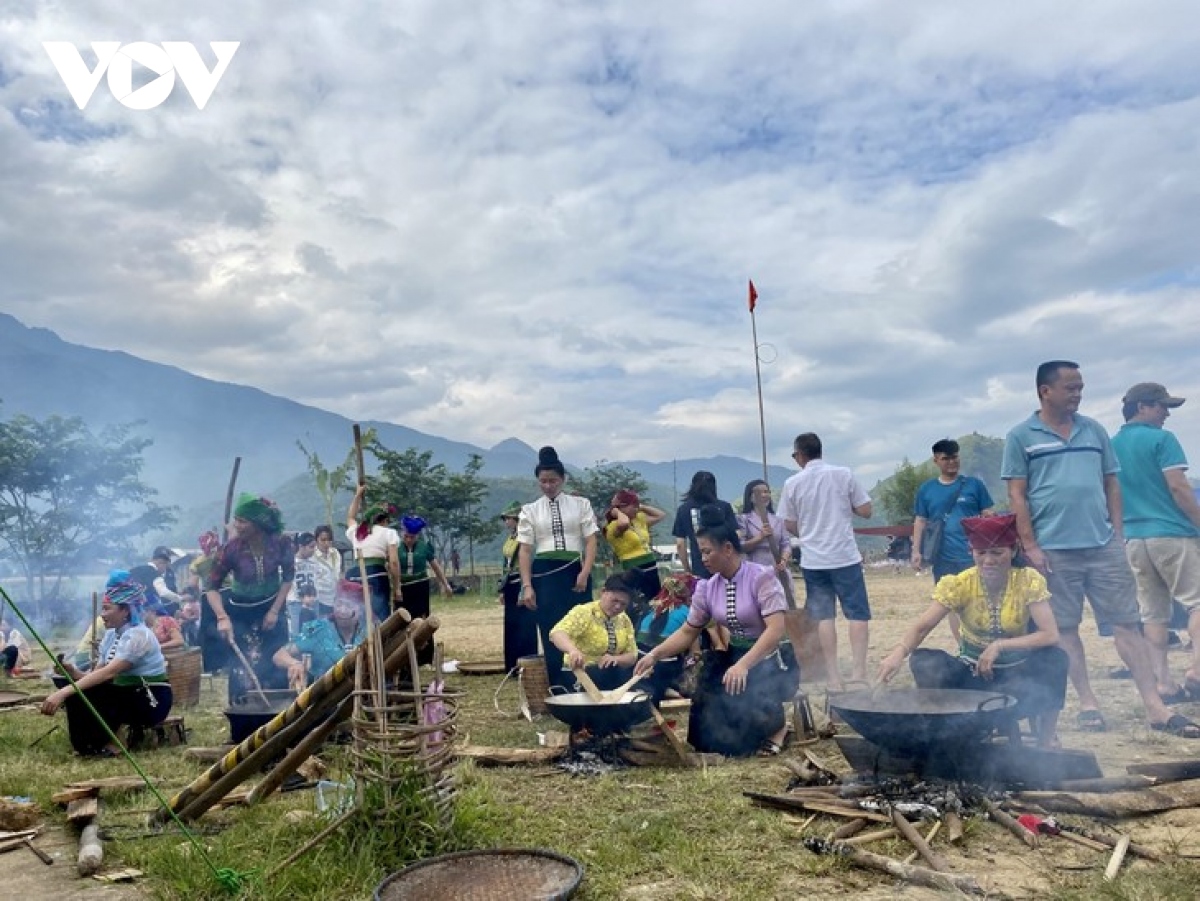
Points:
(482, 668)
(501, 874)
(10, 698)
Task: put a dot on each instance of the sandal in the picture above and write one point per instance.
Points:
(1179, 726)
(1178, 696)
(1091, 721)
(769, 749)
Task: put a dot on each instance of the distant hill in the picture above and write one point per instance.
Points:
(199, 426)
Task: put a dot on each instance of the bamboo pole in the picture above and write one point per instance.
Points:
(94, 644)
(1118, 857)
(237, 464)
(866, 838)
(325, 692)
(1006, 820)
(846, 830)
(374, 672)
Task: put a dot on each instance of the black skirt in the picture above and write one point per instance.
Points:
(737, 725)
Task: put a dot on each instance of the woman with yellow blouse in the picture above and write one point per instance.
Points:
(598, 637)
(996, 603)
(627, 531)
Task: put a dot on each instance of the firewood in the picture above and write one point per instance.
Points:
(1107, 841)
(1170, 771)
(954, 827)
(485, 756)
(69, 795)
(82, 810)
(1083, 841)
(1010, 824)
(91, 851)
(914, 838)
(684, 751)
(1118, 857)
(207, 755)
(111, 783)
(853, 827)
(38, 852)
(1106, 784)
(1118, 805)
(866, 838)
(908, 872)
(933, 831)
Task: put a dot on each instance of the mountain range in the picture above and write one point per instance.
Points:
(199, 426)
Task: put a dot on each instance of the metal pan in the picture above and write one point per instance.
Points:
(920, 721)
(579, 711)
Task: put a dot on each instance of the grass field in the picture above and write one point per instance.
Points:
(641, 833)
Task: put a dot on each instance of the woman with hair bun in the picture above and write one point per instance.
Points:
(701, 493)
(737, 709)
(557, 537)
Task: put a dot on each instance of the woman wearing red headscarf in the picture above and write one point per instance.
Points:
(996, 603)
(627, 530)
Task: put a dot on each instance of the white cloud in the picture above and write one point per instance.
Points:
(538, 220)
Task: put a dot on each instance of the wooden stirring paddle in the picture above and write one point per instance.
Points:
(588, 685)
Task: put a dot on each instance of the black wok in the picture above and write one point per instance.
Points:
(919, 721)
(579, 711)
(255, 710)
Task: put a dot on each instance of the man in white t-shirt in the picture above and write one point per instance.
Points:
(818, 506)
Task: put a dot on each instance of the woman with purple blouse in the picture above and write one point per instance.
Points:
(737, 709)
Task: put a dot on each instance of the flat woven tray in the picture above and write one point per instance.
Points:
(9, 698)
(482, 668)
(501, 874)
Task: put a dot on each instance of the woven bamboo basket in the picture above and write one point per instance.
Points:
(535, 683)
(184, 667)
(500, 874)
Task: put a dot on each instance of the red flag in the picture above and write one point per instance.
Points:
(753, 295)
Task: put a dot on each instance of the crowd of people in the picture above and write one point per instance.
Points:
(1108, 522)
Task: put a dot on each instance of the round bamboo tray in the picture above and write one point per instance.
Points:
(482, 668)
(501, 874)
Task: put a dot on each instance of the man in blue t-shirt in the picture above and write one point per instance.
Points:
(1063, 487)
(950, 497)
(1162, 528)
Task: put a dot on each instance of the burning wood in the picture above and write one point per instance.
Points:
(908, 872)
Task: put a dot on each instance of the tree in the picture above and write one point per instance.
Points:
(600, 482)
(330, 482)
(71, 500)
(450, 503)
(898, 493)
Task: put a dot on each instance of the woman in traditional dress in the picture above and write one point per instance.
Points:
(376, 544)
(417, 561)
(627, 530)
(520, 623)
(737, 709)
(327, 640)
(165, 628)
(996, 603)
(557, 537)
(668, 611)
(764, 537)
(597, 637)
(129, 684)
(260, 560)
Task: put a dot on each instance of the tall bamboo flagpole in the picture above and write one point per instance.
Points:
(762, 422)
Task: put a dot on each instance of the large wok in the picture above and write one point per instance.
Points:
(916, 722)
(579, 711)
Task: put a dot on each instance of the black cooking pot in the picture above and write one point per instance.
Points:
(579, 711)
(246, 716)
(915, 722)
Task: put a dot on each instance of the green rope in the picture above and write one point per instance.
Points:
(231, 880)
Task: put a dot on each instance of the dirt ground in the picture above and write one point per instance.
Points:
(24, 876)
(897, 597)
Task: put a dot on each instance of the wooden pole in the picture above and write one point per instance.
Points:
(1118, 857)
(866, 838)
(1109, 842)
(1010, 824)
(933, 830)
(908, 872)
(762, 421)
(237, 464)
(374, 672)
(914, 838)
(94, 644)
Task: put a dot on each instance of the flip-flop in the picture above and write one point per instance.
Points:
(1192, 688)
(1179, 726)
(1178, 696)
(1091, 721)
(769, 749)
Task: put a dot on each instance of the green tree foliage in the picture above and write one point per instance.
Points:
(331, 482)
(981, 456)
(451, 503)
(71, 500)
(897, 494)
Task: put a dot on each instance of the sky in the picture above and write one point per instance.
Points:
(538, 219)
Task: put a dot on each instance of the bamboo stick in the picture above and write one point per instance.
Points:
(954, 827)
(1006, 820)
(929, 836)
(1109, 842)
(908, 872)
(846, 830)
(1084, 841)
(866, 838)
(914, 838)
(1118, 857)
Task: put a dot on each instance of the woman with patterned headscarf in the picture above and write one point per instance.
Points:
(129, 685)
(417, 561)
(375, 545)
(260, 561)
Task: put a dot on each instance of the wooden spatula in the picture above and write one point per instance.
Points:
(589, 686)
(615, 694)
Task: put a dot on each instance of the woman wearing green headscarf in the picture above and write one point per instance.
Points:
(260, 561)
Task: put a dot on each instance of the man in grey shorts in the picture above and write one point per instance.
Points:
(1062, 480)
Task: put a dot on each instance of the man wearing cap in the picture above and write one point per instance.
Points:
(157, 578)
(1162, 527)
(1063, 488)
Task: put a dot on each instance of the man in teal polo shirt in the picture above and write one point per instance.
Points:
(1162, 527)
(1062, 485)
